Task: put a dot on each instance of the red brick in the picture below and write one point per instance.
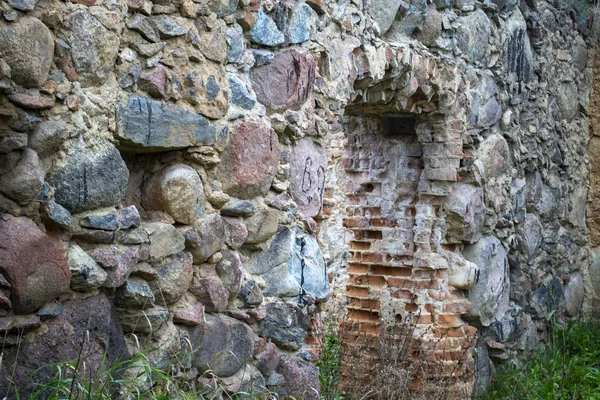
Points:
(390, 271)
(371, 258)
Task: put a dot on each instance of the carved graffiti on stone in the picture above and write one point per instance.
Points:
(308, 168)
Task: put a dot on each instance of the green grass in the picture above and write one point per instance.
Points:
(567, 368)
(330, 366)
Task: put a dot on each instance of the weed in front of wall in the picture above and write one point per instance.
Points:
(395, 365)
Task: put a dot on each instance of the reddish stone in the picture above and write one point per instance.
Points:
(287, 82)
(301, 378)
(34, 266)
(92, 320)
(34, 102)
(249, 164)
(84, 2)
(235, 232)
(268, 359)
(247, 20)
(317, 5)
(155, 82)
(191, 316)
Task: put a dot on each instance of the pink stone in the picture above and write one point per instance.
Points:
(287, 82)
(31, 262)
(250, 161)
(155, 82)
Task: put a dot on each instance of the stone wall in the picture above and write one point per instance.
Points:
(210, 172)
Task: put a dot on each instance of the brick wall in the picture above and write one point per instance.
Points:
(399, 269)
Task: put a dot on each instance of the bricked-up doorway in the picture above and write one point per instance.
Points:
(383, 166)
(398, 172)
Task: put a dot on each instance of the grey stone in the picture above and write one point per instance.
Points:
(223, 345)
(27, 47)
(574, 294)
(519, 56)
(47, 137)
(165, 240)
(251, 294)
(50, 310)
(235, 44)
(567, 100)
(262, 226)
(595, 270)
(93, 47)
(21, 176)
(213, 43)
(473, 35)
(247, 380)
(58, 214)
(23, 5)
(240, 95)
(133, 236)
(485, 109)
(465, 214)
(92, 178)
(11, 140)
(144, 26)
(490, 296)
(145, 125)
(107, 222)
(547, 297)
(530, 235)
(168, 27)
(229, 270)
(384, 12)
(174, 278)
(265, 31)
(239, 209)
(223, 7)
(86, 274)
(128, 217)
(134, 293)
(206, 238)
(293, 266)
(262, 57)
(300, 23)
(432, 27)
(286, 325)
(402, 28)
(142, 321)
(176, 189)
(148, 49)
(308, 168)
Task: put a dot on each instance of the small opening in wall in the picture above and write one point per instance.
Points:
(398, 126)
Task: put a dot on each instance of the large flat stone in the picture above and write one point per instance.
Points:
(145, 125)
